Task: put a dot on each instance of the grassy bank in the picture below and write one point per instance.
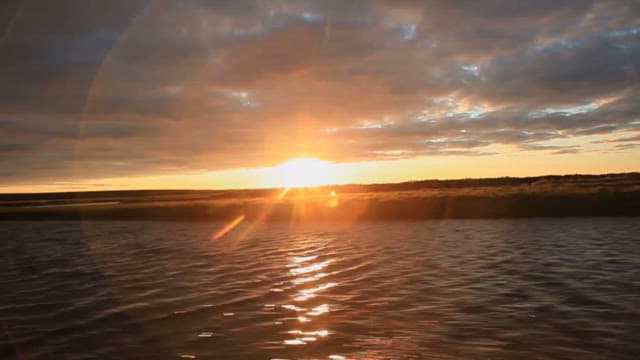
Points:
(549, 196)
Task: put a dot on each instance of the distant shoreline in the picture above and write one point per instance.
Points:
(548, 196)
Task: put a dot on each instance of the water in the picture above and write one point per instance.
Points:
(476, 289)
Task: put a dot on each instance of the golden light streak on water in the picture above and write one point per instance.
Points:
(298, 281)
(310, 268)
(293, 307)
(319, 310)
(307, 294)
(318, 333)
(299, 259)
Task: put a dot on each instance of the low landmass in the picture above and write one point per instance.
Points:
(543, 196)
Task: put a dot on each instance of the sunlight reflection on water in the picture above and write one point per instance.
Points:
(303, 273)
(498, 289)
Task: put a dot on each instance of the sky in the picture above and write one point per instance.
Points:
(127, 94)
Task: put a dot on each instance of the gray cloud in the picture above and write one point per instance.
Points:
(635, 138)
(98, 89)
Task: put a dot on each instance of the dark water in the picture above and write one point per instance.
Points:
(477, 289)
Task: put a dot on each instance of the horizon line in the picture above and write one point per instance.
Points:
(326, 185)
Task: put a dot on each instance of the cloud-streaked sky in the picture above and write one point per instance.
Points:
(103, 94)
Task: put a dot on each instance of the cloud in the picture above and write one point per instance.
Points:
(123, 88)
(635, 138)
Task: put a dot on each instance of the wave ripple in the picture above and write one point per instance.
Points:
(486, 289)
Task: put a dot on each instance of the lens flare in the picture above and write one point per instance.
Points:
(304, 172)
(228, 227)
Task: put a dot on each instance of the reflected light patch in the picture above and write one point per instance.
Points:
(307, 294)
(310, 268)
(298, 281)
(319, 310)
(299, 259)
(318, 288)
(293, 307)
(319, 333)
(294, 342)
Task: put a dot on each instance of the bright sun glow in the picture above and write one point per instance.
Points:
(304, 171)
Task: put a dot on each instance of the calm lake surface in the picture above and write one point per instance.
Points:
(471, 289)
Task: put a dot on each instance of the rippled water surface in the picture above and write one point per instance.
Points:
(476, 289)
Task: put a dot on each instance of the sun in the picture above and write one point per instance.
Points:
(304, 172)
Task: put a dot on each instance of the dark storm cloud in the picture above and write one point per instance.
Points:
(111, 88)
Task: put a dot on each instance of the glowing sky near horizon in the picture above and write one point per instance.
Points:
(216, 94)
